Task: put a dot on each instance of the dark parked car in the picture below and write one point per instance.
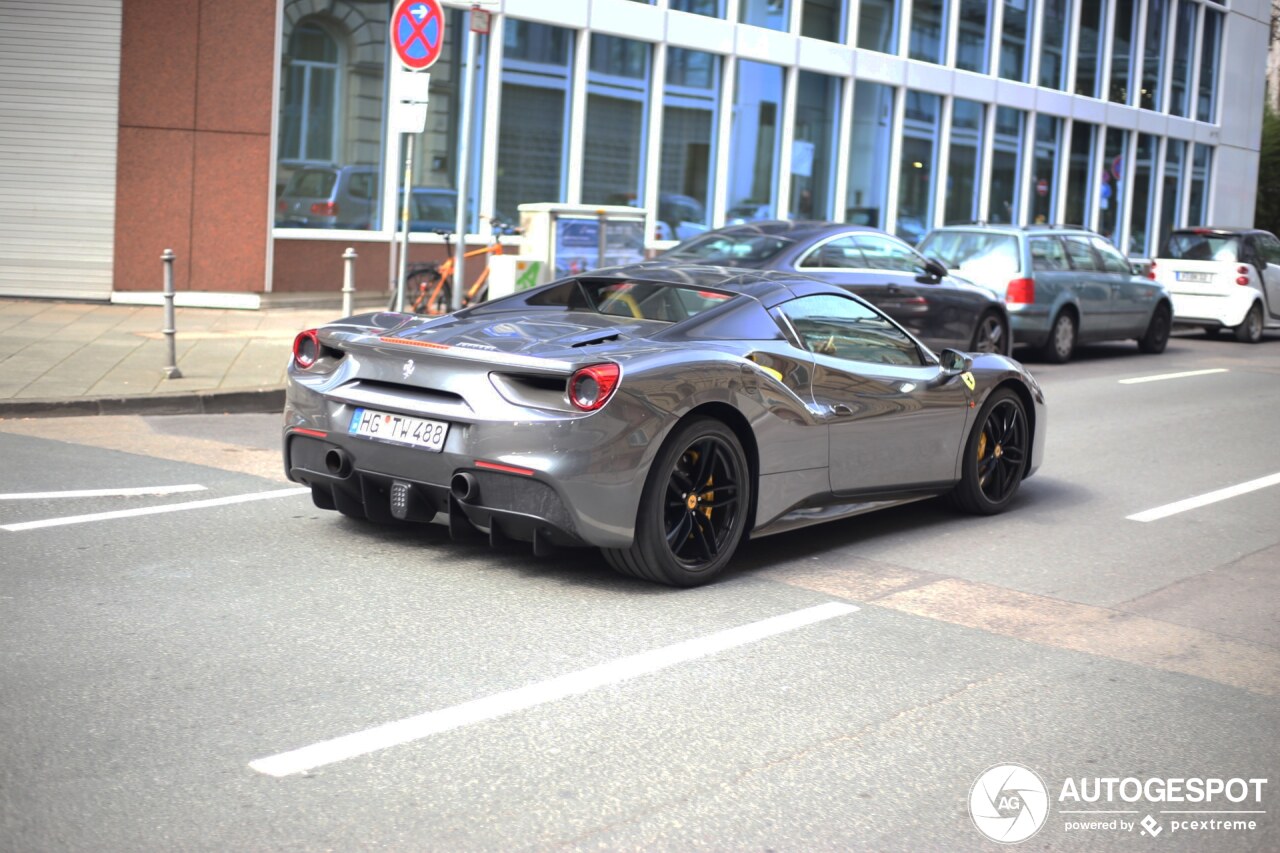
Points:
(662, 414)
(1063, 285)
(940, 310)
(329, 197)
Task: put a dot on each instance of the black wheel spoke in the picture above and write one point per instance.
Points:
(677, 534)
(705, 535)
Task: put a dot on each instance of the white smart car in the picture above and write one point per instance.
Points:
(1223, 278)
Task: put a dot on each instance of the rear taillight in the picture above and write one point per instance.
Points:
(1021, 291)
(1242, 270)
(325, 208)
(1151, 271)
(306, 348)
(1242, 279)
(591, 387)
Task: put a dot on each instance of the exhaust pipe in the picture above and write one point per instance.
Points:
(463, 486)
(338, 463)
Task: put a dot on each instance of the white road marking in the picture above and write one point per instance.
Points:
(101, 493)
(1163, 376)
(1203, 500)
(153, 510)
(521, 698)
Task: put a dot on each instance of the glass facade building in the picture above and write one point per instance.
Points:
(900, 114)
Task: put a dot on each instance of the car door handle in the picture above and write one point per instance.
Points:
(841, 409)
(893, 289)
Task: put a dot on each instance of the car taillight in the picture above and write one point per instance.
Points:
(1151, 271)
(591, 387)
(306, 348)
(1242, 270)
(1242, 279)
(325, 208)
(1021, 291)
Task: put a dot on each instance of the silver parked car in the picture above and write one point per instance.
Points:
(661, 414)
(329, 197)
(1062, 285)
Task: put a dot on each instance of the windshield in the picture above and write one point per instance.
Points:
(639, 300)
(977, 254)
(1190, 246)
(729, 248)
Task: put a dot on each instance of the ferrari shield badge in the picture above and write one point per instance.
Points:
(967, 377)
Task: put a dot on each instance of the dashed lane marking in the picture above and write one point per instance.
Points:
(1160, 377)
(153, 510)
(102, 493)
(1205, 499)
(521, 698)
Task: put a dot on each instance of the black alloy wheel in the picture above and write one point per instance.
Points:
(991, 335)
(1157, 335)
(694, 508)
(996, 455)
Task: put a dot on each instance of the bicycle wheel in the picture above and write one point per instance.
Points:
(429, 293)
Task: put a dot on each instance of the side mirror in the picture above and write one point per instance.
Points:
(954, 362)
(935, 269)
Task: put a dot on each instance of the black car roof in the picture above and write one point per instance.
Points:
(1224, 230)
(795, 229)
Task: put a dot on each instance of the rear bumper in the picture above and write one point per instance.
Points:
(502, 506)
(1227, 309)
(1030, 325)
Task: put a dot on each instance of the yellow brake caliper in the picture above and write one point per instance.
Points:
(982, 454)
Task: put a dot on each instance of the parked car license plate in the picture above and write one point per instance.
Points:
(1202, 277)
(402, 429)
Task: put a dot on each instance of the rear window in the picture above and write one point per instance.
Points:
(729, 248)
(976, 253)
(312, 183)
(640, 300)
(1189, 246)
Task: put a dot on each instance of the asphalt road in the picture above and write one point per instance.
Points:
(842, 689)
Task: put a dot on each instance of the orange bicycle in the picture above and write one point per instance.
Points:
(433, 283)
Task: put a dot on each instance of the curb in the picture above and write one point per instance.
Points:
(260, 400)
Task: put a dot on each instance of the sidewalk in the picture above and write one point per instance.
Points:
(72, 358)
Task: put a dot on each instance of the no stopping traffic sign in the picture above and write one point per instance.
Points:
(417, 32)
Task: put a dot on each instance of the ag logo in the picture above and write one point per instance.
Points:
(1008, 803)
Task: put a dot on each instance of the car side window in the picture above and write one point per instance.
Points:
(841, 253)
(1080, 254)
(1112, 260)
(844, 328)
(1048, 254)
(886, 253)
(1271, 248)
(361, 185)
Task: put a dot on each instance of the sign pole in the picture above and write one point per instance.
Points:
(406, 188)
(417, 38)
(461, 221)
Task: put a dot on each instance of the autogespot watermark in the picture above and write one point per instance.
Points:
(1010, 803)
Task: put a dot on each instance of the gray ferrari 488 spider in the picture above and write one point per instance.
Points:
(658, 413)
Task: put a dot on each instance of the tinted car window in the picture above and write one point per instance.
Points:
(637, 299)
(841, 253)
(361, 185)
(1048, 254)
(1112, 260)
(979, 253)
(1081, 255)
(312, 183)
(1189, 246)
(886, 253)
(840, 327)
(718, 248)
(1270, 247)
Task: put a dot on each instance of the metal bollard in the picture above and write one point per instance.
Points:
(171, 370)
(348, 280)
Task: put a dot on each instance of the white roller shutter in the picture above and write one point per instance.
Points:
(59, 106)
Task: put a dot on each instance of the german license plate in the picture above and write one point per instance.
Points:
(1201, 277)
(402, 429)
